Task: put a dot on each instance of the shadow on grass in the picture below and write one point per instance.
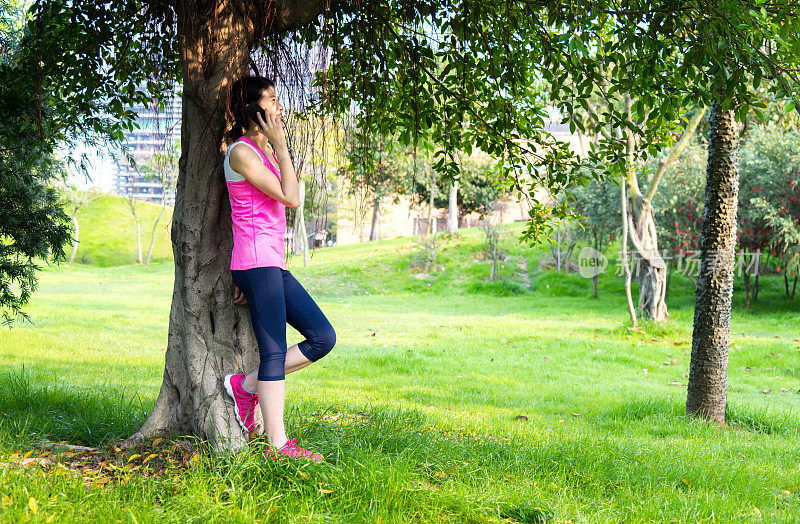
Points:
(30, 412)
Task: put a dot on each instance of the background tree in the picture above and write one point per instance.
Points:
(477, 185)
(376, 172)
(33, 225)
(598, 203)
(162, 167)
(73, 200)
(679, 206)
(770, 196)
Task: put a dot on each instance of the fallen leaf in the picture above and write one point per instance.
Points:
(134, 457)
(32, 504)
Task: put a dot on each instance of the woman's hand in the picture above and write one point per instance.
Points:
(238, 297)
(272, 127)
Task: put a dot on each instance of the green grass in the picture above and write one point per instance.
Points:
(108, 232)
(417, 409)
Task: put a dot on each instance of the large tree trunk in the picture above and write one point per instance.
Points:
(708, 370)
(452, 209)
(375, 230)
(209, 336)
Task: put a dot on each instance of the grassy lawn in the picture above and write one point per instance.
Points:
(446, 399)
(108, 232)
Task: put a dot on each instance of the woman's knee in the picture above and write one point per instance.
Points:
(322, 343)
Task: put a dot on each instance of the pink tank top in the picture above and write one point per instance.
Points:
(259, 221)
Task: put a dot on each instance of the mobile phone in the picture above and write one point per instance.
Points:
(253, 109)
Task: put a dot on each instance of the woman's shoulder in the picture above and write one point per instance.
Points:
(239, 154)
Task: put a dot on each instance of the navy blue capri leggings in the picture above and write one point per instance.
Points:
(276, 298)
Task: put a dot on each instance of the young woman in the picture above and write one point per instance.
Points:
(261, 183)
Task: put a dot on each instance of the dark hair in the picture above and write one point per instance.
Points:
(243, 91)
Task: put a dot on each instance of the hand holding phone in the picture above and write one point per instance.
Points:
(254, 109)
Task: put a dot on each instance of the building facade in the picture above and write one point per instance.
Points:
(159, 130)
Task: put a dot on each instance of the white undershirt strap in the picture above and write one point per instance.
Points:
(230, 174)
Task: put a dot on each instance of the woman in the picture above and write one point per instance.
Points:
(261, 183)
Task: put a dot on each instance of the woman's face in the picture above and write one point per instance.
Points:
(269, 101)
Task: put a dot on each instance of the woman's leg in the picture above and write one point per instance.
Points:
(303, 314)
(294, 360)
(264, 290)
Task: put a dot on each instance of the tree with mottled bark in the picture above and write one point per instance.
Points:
(708, 370)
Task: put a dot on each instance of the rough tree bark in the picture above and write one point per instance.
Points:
(209, 336)
(708, 369)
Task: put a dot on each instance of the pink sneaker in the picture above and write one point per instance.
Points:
(244, 402)
(293, 451)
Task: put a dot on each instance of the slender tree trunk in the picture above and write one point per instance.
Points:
(132, 205)
(794, 287)
(452, 209)
(153, 234)
(300, 243)
(670, 268)
(624, 255)
(755, 286)
(786, 283)
(594, 278)
(77, 236)
(208, 335)
(375, 230)
(431, 229)
(708, 369)
(746, 278)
